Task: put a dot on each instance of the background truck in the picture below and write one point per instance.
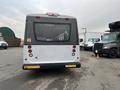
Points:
(110, 44)
(87, 41)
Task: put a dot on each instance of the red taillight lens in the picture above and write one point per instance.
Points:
(74, 50)
(29, 46)
(74, 46)
(29, 51)
(52, 14)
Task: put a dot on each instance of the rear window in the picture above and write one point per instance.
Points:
(52, 31)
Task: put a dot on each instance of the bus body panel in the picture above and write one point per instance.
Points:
(51, 54)
(48, 53)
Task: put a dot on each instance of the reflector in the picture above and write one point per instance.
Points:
(31, 67)
(70, 66)
(30, 55)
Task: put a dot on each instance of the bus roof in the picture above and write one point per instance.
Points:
(50, 16)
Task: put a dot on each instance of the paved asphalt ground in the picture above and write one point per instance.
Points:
(95, 74)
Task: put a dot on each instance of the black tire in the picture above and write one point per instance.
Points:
(113, 53)
(5, 47)
(95, 54)
(100, 55)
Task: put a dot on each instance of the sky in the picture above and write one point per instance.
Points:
(91, 14)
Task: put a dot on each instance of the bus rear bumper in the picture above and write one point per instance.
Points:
(51, 66)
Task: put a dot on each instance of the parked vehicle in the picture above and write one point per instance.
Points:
(90, 43)
(3, 43)
(89, 39)
(110, 44)
(81, 43)
(51, 41)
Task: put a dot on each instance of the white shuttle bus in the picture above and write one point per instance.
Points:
(51, 41)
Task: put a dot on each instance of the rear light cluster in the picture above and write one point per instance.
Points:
(30, 50)
(73, 50)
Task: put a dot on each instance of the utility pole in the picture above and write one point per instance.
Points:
(0, 34)
(85, 31)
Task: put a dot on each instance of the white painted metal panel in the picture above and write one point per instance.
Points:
(51, 54)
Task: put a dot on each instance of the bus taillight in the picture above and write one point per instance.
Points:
(74, 46)
(74, 50)
(29, 46)
(30, 51)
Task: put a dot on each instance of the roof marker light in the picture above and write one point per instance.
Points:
(30, 55)
(52, 14)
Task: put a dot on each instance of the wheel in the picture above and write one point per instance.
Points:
(5, 47)
(113, 53)
(95, 54)
(100, 55)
